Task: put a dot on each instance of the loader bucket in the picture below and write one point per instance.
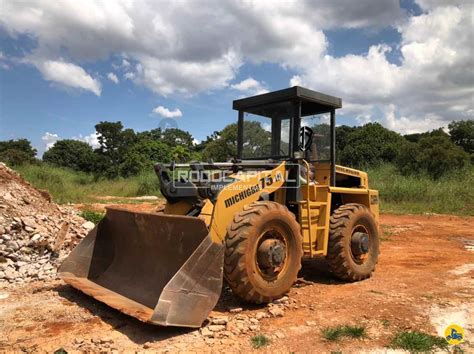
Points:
(161, 269)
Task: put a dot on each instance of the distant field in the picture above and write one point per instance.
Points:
(68, 186)
(452, 194)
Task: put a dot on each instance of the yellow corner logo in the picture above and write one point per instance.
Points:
(454, 334)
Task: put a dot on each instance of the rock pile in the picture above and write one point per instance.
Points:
(35, 233)
(238, 323)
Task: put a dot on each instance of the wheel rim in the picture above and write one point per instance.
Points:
(271, 254)
(360, 244)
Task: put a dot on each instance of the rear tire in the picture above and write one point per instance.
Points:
(263, 252)
(345, 222)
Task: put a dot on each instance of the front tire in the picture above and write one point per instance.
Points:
(263, 252)
(353, 246)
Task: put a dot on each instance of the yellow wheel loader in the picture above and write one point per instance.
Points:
(250, 220)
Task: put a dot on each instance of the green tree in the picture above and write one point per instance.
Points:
(143, 155)
(257, 141)
(17, 152)
(221, 144)
(414, 138)
(74, 154)
(434, 155)
(175, 136)
(371, 144)
(342, 136)
(462, 134)
(14, 157)
(115, 143)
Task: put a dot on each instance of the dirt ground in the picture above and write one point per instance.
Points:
(424, 281)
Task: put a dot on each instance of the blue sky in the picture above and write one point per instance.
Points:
(379, 56)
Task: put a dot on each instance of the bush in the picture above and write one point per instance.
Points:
(17, 152)
(92, 216)
(13, 157)
(259, 341)
(74, 154)
(369, 145)
(418, 342)
(18, 145)
(434, 155)
(336, 333)
(462, 134)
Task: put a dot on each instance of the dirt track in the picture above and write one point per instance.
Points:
(424, 281)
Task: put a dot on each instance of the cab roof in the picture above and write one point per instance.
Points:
(312, 102)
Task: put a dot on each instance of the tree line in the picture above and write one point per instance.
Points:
(123, 152)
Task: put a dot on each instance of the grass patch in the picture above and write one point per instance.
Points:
(92, 216)
(385, 323)
(386, 234)
(451, 194)
(260, 341)
(416, 342)
(68, 186)
(336, 333)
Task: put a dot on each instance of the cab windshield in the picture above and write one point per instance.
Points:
(267, 132)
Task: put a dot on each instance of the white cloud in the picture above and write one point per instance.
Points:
(431, 4)
(431, 86)
(166, 77)
(68, 74)
(250, 86)
(3, 61)
(165, 112)
(182, 48)
(172, 55)
(125, 63)
(49, 139)
(129, 75)
(112, 77)
(91, 139)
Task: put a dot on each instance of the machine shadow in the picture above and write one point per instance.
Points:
(316, 271)
(313, 271)
(137, 331)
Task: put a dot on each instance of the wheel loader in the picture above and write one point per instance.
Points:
(251, 220)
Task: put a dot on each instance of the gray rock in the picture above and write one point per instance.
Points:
(221, 320)
(206, 332)
(13, 245)
(6, 237)
(216, 328)
(10, 274)
(279, 334)
(276, 311)
(236, 310)
(254, 327)
(29, 221)
(283, 300)
(88, 225)
(35, 237)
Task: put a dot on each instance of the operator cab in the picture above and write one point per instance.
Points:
(291, 124)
